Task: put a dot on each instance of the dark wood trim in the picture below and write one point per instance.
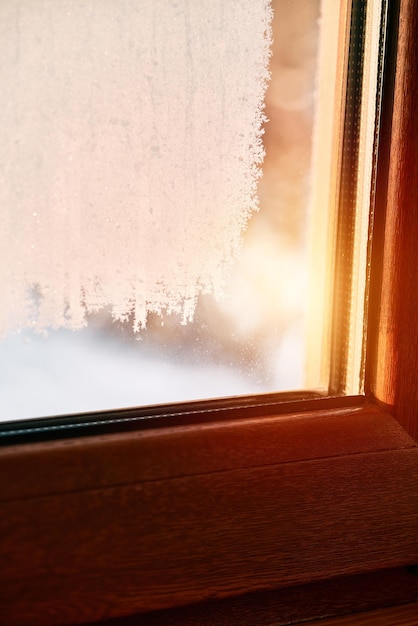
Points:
(43, 469)
(392, 362)
(339, 596)
(219, 511)
(396, 616)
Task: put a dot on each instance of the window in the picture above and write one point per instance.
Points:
(253, 340)
(111, 525)
(65, 127)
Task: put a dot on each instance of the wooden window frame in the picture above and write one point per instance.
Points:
(321, 492)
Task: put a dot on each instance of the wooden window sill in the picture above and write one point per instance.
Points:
(406, 615)
(104, 526)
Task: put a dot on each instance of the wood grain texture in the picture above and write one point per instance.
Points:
(393, 366)
(82, 556)
(94, 462)
(396, 616)
(291, 605)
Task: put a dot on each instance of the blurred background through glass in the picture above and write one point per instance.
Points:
(251, 341)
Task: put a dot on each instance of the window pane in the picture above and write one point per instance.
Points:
(270, 329)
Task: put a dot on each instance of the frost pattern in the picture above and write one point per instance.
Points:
(130, 147)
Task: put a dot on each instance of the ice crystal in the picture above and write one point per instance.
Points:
(130, 147)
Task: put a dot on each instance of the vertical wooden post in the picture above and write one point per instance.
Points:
(393, 364)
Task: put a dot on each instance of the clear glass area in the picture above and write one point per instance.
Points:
(255, 338)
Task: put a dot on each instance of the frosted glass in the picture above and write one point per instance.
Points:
(130, 149)
(123, 198)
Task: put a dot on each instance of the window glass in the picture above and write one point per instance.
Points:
(266, 332)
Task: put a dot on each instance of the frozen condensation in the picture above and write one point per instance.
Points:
(130, 147)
